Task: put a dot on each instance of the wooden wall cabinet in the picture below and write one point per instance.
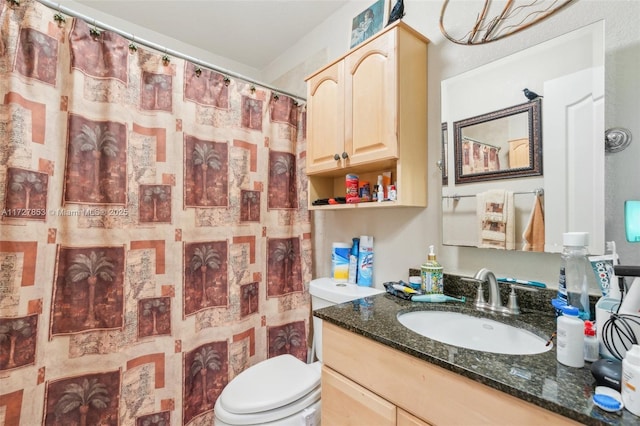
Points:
(394, 388)
(366, 114)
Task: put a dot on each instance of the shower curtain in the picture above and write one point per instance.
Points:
(155, 239)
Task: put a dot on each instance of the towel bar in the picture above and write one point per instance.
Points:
(456, 197)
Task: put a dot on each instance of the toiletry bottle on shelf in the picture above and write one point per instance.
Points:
(431, 273)
(393, 193)
(570, 338)
(578, 274)
(380, 189)
(630, 387)
(591, 345)
(365, 261)
(353, 261)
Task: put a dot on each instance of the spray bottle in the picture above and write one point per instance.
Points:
(365, 261)
(431, 273)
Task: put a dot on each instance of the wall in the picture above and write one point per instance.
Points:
(142, 33)
(403, 235)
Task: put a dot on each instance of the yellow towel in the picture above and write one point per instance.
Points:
(495, 213)
(534, 233)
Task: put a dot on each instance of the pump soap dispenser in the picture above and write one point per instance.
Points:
(431, 273)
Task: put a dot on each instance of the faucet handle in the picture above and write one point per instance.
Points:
(480, 302)
(512, 305)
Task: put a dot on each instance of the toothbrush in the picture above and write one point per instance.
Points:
(404, 289)
(525, 282)
(611, 246)
(436, 298)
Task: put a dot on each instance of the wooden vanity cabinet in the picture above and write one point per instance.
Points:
(362, 378)
(366, 114)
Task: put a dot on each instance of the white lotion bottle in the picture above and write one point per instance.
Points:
(631, 380)
(380, 189)
(570, 340)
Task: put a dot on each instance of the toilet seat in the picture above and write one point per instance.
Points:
(270, 390)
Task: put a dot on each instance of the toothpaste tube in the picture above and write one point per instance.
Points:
(602, 267)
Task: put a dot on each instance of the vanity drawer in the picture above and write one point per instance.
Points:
(431, 393)
(347, 403)
(406, 419)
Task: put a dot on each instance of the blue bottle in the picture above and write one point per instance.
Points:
(353, 261)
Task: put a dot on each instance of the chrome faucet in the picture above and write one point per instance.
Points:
(495, 303)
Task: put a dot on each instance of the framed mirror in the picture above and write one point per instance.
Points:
(485, 109)
(445, 154)
(500, 144)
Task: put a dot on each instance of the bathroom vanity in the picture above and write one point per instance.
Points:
(376, 371)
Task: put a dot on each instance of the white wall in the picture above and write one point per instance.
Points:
(403, 235)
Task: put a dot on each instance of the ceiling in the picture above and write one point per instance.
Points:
(251, 32)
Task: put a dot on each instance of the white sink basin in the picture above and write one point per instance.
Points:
(481, 334)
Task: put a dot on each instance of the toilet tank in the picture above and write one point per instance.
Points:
(326, 292)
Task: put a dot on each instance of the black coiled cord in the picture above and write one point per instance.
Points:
(619, 325)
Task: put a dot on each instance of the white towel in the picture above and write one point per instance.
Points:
(495, 213)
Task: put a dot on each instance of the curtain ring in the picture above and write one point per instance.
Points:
(132, 45)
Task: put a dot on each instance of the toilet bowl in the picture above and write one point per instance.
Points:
(284, 391)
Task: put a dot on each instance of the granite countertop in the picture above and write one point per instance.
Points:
(538, 379)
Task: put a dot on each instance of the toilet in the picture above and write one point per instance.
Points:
(284, 391)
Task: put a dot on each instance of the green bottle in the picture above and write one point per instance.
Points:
(431, 273)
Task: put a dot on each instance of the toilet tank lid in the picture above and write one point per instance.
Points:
(336, 292)
(270, 384)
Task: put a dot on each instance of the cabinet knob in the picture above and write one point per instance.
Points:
(336, 157)
(345, 155)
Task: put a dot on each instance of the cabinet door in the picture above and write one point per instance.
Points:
(371, 98)
(519, 153)
(325, 119)
(346, 403)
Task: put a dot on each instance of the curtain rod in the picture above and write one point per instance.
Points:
(62, 9)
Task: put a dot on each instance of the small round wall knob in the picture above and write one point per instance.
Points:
(345, 155)
(616, 139)
(336, 157)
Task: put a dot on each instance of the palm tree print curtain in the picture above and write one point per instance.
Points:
(154, 236)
